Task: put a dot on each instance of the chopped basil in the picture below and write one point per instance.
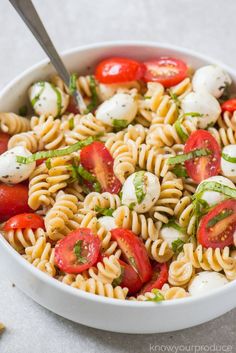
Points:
(55, 153)
(131, 206)
(119, 123)
(85, 174)
(175, 98)
(23, 110)
(222, 215)
(193, 114)
(228, 158)
(177, 245)
(173, 224)
(117, 281)
(78, 252)
(72, 85)
(147, 97)
(37, 97)
(190, 155)
(181, 131)
(71, 123)
(59, 99)
(214, 186)
(139, 185)
(104, 211)
(94, 96)
(180, 171)
(158, 296)
(48, 163)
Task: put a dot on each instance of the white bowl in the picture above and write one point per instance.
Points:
(89, 309)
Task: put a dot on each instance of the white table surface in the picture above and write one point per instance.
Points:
(208, 26)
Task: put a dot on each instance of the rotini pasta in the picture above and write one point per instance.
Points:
(13, 123)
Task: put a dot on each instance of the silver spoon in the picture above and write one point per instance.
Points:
(28, 13)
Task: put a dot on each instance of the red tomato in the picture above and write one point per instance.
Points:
(98, 161)
(167, 71)
(130, 278)
(202, 167)
(217, 228)
(24, 220)
(72, 106)
(4, 138)
(159, 278)
(116, 70)
(40, 161)
(78, 251)
(229, 105)
(134, 252)
(13, 200)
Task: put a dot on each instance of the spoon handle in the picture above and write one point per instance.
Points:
(29, 15)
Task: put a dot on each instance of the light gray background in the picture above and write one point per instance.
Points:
(208, 26)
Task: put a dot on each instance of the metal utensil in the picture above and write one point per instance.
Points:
(29, 15)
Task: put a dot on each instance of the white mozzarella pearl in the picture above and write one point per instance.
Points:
(215, 197)
(151, 188)
(170, 234)
(48, 99)
(121, 107)
(212, 79)
(11, 171)
(206, 282)
(107, 222)
(229, 168)
(204, 104)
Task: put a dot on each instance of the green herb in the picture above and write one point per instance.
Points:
(193, 114)
(214, 186)
(97, 186)
(55, 153)
(71, 123)
(117, 281)
(180, 171)
(48, 163)
(139, 185)
(177, 245)
(37, 97)
(175, 98)
(94, 95)
(158, 296)
(59, 99)
(222, 215)
(181, 131)
(190, 155)
(72, 84)
(119, 123)
(147, 97)
(173, 224)
(104, 211)
(78, 252)
(23, 110)
(85, 174)
(228, 158)
(132, 205)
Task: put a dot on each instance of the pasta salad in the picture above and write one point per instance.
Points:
(134, 197)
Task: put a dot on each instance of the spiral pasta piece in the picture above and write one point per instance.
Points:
(184, 212)
(103, 200)
(106, 271)
(41, 255)
(138, 223)
(22, 238)
(224, 136)
(158, 250)
(59, 173)
(171, 293)
(227, 120)
(108, 246)
(95, 287)
(59, 216)
(13, 124)
(125, 159)
(182, 88)
(29, 140)
(180, 273)
(76, 190)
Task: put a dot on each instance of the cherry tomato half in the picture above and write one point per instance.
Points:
(202, 167)
(134, 252)
(130, 278)
(78, 251)
(116, 70)
(159, 278)
(97, 160)
(4, 138)
(217, 228)
(24, 220)
(167, 71)
(13, 200)
(229, 105)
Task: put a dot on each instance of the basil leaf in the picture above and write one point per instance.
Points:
(37, 97)
(131, 206)
(78, 252)
(180, 131)
(139, 185)
(119, 123)
(214, 186)
(228, 158)
(158, 296)
(94, 95)
(85, 174)
(177, 245)
(222, 215)
(173, 224)
(117, 281)
(180, 171)
(48, 163)
(190, 155)
(175, 98)
(72, 84)
(59, 99)
(71, 123)
(104, 211)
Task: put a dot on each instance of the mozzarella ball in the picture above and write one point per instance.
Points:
(206, 282)
(107, 222)
(229, 168)
(117, 111)
(212, 79)
(47, 99)
(170, 234)
(215, 197)
(204, 104)
(151, 189)
(106, 91)
(11, 171)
